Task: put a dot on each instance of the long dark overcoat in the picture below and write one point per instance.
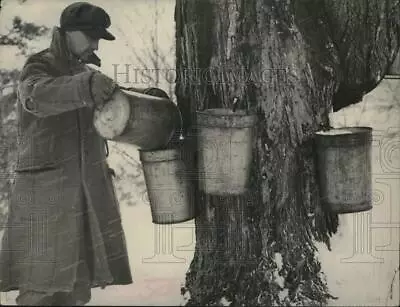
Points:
(61, 166)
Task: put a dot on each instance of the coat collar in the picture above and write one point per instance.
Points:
(59, 48)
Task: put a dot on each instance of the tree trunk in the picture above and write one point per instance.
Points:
(287, 60)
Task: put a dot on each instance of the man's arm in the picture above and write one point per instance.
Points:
(44, 95)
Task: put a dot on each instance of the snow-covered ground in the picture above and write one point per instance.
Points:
(363, 267)
(365, 252)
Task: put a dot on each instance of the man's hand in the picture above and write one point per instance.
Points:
(102, 88)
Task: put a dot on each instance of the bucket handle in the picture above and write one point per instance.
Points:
(235, 105)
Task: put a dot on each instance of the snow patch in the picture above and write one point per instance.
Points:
(361, 252)
(279, 261)
(185, 298)
(11, 116)
(283, 294)
(279, 279)
(7, 90)
(225, 302)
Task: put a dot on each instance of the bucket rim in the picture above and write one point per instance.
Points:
(353, 136)
(142, 95)
(229, 112)
(224, 117)
(158, 150)
(352, 129)
(159, 155)
(174, 220)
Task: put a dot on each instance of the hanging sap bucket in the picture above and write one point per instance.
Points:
(170, 188)
(225, 141)
(344, 168)
(146, 121)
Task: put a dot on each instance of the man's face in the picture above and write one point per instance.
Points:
(82, 45)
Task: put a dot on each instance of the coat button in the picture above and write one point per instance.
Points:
(30, 104)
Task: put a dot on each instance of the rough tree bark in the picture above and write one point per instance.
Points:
(292, 62)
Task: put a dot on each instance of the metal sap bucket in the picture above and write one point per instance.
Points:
(169, 186)
(146, 121)
(344, 168)
(225, 141)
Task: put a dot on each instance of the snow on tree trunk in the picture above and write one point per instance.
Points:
(285, 60)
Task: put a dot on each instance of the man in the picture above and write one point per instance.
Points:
(64, 233)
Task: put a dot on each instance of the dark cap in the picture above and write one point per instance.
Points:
(88, 18)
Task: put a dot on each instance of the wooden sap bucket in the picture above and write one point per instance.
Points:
(225, 140)
(146, 121)
(344, 168)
